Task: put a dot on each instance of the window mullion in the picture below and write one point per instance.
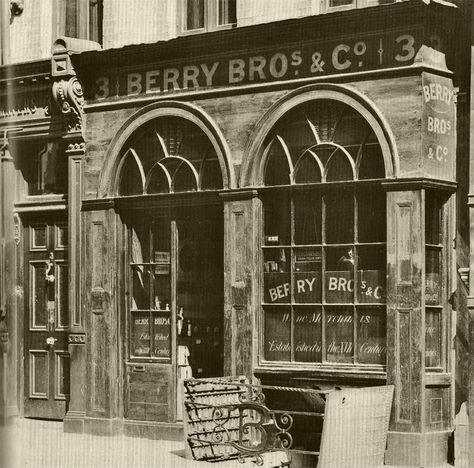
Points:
(323, 280)
(291, 264)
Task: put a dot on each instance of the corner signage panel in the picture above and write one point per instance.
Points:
(438, 126)
(371, 51)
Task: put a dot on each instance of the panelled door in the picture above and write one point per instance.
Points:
(46, 358)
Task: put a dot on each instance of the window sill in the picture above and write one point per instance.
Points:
(330, 372)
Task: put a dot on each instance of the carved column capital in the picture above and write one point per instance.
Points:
(70, 98)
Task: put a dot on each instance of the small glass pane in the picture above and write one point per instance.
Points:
(139, 242)
(130, 178)
(297, 133)
(433, 276)
(372, 220)
(338, 167)
(227, 12)
(276, 280)
(140, 334)
(194, 14)
(277, 169)
(339, 208)
(307, 275)
(433, 338)
(339, 275)
(307, 333)
(140, 287)
(277, 334)
(158, 182)
(339, 3)
(432, 219)
(371, 278)
(372, 164)
(308, 170)
(339, 334)
(371, 336)
(161, 335)
(184, 179)
(277, 221)
(352, 127)
(307, 219)
(211, 175)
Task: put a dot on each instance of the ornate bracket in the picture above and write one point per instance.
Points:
(70, 98)
(67, 90)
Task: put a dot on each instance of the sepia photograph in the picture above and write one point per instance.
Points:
(236, 233)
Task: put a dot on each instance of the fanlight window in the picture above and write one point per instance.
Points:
(169, 155)
(322, 141)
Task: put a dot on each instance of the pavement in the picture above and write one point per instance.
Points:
(30, 443)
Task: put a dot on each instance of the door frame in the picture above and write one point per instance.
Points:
(170, 206)
(53, 211)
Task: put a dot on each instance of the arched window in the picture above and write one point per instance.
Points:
(324, 238)
(174, 245)
(168, 155)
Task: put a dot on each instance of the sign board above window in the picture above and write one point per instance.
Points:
(368, 51)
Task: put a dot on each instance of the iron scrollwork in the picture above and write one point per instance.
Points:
(260, 430)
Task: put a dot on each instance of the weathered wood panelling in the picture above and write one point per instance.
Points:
(405, 339)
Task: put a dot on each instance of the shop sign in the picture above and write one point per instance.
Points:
(307, 326)
(369, 51)
(438, 126)
(339, 287)
(25, 107)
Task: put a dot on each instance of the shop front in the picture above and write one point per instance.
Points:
(271, 201)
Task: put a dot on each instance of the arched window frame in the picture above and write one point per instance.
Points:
(255, 162)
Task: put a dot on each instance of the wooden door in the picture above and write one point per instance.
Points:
(46, 319)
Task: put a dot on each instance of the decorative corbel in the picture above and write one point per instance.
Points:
(67, 90)
(69, 96)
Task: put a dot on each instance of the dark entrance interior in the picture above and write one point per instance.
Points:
(174, 309)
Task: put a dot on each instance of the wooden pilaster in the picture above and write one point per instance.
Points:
(8, 296)
(241, 252)
(74, 419)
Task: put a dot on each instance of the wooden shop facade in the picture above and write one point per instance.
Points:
(276, 201)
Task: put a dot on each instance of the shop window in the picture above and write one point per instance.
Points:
(206, 15)
(43, 166)
(169, 155)
(434, 280)
(343, 4)
(79, 19)
(324, 239)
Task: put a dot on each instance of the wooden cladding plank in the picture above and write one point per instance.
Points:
(97, 244)
(404, 350)
(75, 234)
(238, 246)
(403, 243)
(98, 364)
